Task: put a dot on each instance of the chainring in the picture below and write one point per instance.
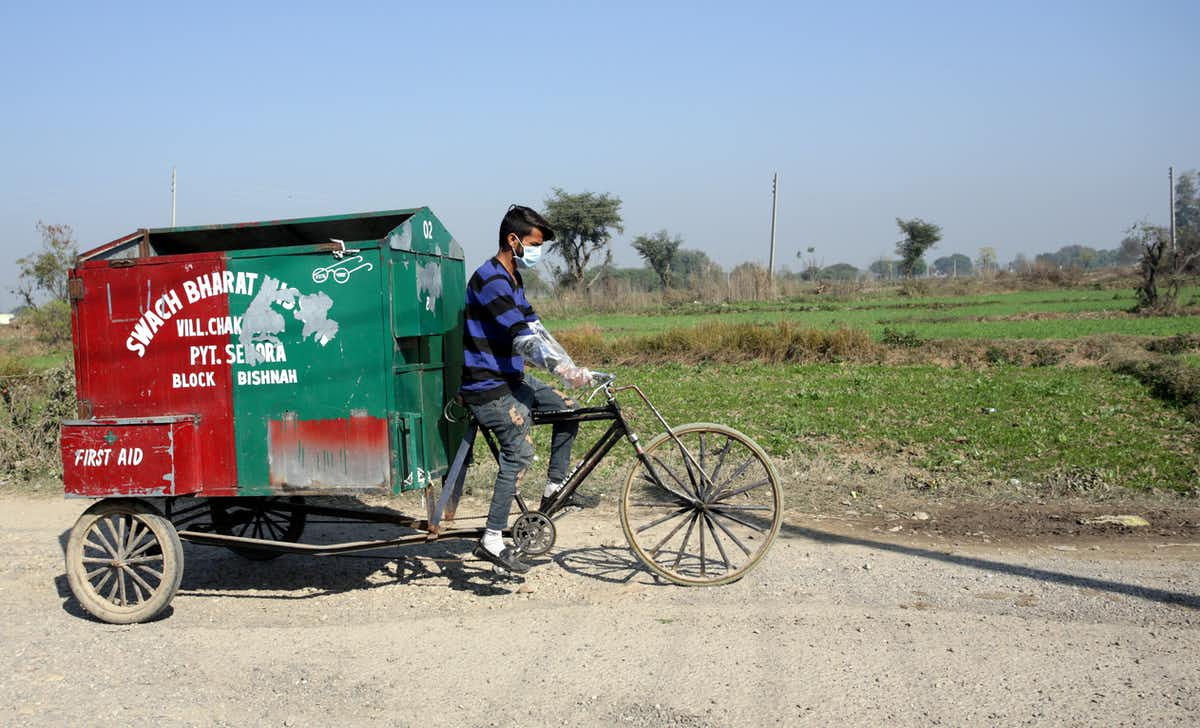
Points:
(533, 533)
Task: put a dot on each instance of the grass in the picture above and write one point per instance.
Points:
(1073, 314)
(1047, 421)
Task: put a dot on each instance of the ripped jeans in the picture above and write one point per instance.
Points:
(508, 417)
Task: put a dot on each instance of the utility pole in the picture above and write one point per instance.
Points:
(774, 200)
(172, 195)
(1171, 177)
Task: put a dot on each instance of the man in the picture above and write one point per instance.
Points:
(502, 334)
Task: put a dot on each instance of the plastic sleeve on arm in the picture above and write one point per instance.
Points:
(541, 352)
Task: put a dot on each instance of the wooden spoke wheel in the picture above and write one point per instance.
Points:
(272, 519)
(713, 510)
(124, 561)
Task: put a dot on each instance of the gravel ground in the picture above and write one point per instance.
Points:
(840, 624)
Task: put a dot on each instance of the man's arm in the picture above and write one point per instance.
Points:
(543, 350)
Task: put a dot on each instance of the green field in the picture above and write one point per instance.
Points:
(1068, 314)
(1047, 421)
(1051, 423)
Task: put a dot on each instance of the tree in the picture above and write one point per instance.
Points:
(658, 250)
(811, 268)
(987, 262)
(839, 272)
(954, 265)
(883, 268)
(1187, 201)
(1187, 219)
(1130, 251)
(583, 224)
(919, 236)
(45, 273)
(693, 267)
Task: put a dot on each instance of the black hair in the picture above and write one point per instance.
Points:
(522, 221)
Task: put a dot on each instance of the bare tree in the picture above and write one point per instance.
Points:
(1163, 271)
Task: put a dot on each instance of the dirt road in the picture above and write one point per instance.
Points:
(841, 624)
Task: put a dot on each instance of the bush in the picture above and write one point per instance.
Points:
(1170, 379)
(33, 407)
(51, 321)
(999, 355)
(1176, 344)
(896, 337)
(1047, 356)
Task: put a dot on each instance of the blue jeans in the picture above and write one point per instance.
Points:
(509, 419)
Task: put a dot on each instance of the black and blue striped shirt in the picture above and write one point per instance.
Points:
(497, 312)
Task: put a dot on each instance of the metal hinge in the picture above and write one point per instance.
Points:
(75, 289)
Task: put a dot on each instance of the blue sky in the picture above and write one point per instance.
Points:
(1024, 126)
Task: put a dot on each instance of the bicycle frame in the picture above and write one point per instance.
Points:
(611, 411)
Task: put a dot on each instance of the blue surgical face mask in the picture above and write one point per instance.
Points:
(533, 253)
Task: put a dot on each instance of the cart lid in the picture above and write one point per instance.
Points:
(353, 227)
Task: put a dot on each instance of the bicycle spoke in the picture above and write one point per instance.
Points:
(735, 507)
(676, 504)
(702, 559)
(659, 484)
(721, 459)
(686, 537)
(738, 473)
(731, 535)
(673, 475)
(721, 495)
(717, 541)
(667, 517)
(687, 464)
(723, 514)
(654, 551)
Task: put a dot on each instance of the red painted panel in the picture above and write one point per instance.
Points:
(107, 457)
(151, 340)
(349, 453)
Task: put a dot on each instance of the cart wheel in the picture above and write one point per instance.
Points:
(533, 532)
(124, 561)
(715, 513)
(264, 518)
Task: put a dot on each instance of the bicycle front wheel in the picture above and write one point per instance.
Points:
(711, 513)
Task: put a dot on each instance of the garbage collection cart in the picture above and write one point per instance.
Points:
(225, 372)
